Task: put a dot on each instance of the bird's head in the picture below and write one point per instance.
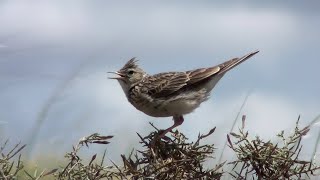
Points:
(129, 74)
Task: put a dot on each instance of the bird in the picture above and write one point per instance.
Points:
(171, 94)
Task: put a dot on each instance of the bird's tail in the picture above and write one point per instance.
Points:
(228, 65)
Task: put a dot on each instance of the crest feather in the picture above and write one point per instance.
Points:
(132, 63)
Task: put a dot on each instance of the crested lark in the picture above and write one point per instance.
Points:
(171, 93)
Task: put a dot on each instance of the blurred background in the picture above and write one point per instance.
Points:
(54, 56)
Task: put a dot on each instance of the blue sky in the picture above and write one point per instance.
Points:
(54, 56)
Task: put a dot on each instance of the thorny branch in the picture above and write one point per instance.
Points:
(266, 160)
(175, 157)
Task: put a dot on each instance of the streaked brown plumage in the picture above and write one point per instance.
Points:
(171, 93)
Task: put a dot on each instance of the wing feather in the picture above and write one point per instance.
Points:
(201, 74)
(164, 84)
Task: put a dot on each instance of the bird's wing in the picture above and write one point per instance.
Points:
(203, 73)
(164, 84)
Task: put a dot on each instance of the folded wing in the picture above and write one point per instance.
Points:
(164, 84)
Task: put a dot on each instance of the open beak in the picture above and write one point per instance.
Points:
(120, 75)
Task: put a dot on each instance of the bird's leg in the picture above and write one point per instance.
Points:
(178, 120)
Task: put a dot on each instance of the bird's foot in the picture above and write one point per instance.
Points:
(162, 135)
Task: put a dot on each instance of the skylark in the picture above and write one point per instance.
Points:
(171, 93)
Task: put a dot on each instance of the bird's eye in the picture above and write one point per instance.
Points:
(130, 72)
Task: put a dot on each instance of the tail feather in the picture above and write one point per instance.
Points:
(228, 65)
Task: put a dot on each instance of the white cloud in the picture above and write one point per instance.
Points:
(45, 20)
(203, 26)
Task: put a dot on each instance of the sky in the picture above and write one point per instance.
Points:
(54, 56)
